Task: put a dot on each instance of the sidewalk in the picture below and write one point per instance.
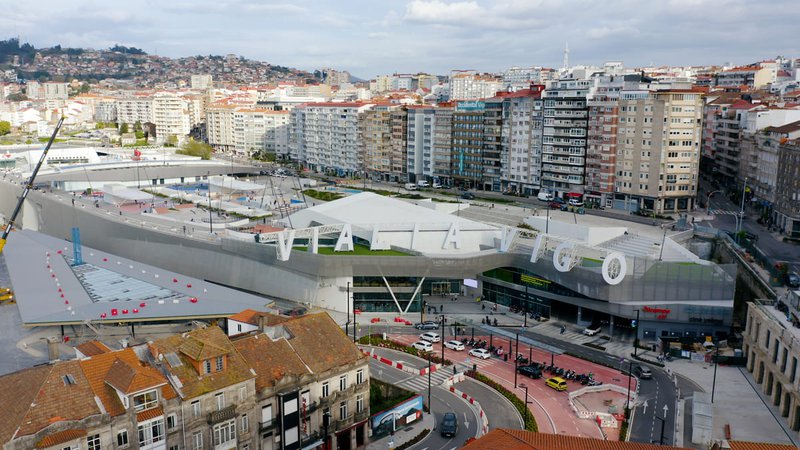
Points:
(404, 435)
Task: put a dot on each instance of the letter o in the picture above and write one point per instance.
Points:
(623, 268)
(562, 267)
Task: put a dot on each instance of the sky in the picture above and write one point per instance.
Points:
(376, 37)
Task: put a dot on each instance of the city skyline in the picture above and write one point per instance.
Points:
(422, 35)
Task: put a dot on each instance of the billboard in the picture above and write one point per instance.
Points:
(386, 422)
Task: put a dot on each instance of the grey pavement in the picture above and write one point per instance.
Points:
(499, 410)
(404, 435)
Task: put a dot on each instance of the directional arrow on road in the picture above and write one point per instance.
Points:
(644, 407)
(666, 408)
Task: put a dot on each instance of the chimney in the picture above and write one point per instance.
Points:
(53, 353)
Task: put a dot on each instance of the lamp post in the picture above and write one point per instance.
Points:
(714, 380)
(516, 361)
(636, 335)
(210, 219)
(525, 386)
(708, 201)
(741, 211)
(442, 339)
(630, 374)
(430, 409)
(525, 309)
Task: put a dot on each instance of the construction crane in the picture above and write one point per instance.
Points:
(28, 187)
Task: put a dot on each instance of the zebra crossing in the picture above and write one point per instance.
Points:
(418, 383)
(613, 347)
(717, 212)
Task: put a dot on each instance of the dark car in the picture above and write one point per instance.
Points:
(642, 372)
(428, 325)
(449, 426)
(750, 236)
(530, 371)
(468, 196)
(554, 205)
(793, 279)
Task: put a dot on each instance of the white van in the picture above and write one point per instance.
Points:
(411, 187)
(422, 183)
(545, 197)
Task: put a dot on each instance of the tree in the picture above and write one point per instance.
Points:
(5, 127)
(123, 128)
(195, 148)
(137, 126)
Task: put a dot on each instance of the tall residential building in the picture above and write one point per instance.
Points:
(334, 77)
(376, 138)
(467, 145)
(260, 130)
(753, 76)
(601, 150)
(47, 91)
(521, 155)
(658, 150)
(429, 143)
(492, 144)
(220, 127)
(137, 107)
(170, 116)
(441, 167)
(564, 137)
(328, 136)
(399, 145)
(469, 85)
(204, 81)
(786, 212)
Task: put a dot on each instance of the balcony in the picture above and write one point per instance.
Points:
(269, 425)
(226, 413)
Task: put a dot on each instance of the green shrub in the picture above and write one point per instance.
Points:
(325, 196)
(413, 441)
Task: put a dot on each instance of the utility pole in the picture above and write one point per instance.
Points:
(714, 380)
(630, 374)
(739, 223)
(636, 335)
(516, 361)
(210, 218)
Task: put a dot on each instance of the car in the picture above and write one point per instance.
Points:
(557, 383)
(481, 353)
(427, 325)
(642, 372)
(424, 346)
(751, 236)
(449, 425)
(530, 371)
(575, 202)
(468, 196)
(591, 330)
(794, 279)
(544, 196)
(454, 345)
(554, 205)
(430, 336)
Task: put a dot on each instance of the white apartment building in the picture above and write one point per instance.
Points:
(429, 137)
(469, 85)
(171, 116)
(327, 136)
(260, 129)
(47, 91)
(204, 81)
(135, 108)
(521, 151)
(220, 127)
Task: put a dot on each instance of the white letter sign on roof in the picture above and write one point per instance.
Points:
(614, 273)
(562, 266)
(453, 237)
(376, 243)
(537, 244)
(507, 238)
(345, 241)
(284, 244)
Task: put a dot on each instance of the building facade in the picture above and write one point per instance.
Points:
(786, 214)
(521, 152)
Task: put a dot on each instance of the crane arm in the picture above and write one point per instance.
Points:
(28, 187)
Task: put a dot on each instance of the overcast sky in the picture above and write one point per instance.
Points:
(373, 37)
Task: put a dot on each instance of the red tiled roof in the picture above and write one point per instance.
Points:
(742, 445)
(93, 348)
(149, 414)
(742, 104)
(507, 439)
(60, 438)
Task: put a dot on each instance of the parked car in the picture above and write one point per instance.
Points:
(468, 196)
(530, 371)
(424, 346)
(449, 425)
(454, 345)
(575, 202)
(642, 372)
(592, 330)
(430, 336)
(794, 279)
(427, 325)
(554, 205)
(557, 383)
(481, 353)
(545, 197)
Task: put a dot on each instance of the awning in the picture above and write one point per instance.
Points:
(573, 194)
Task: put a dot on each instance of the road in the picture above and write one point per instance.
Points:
(441, 399)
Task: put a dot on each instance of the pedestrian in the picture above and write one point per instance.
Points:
(483, 307)
(441, 308)
(495, 321)
(73, 202)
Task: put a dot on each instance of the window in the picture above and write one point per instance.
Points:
(343, 410)
(196, 408)
(220, 401)
(172, 421)
(122, 439)
(93, 442)
(343, 382)
(145, 401)
(360, 376)
(220, 363)
(151, 432)
(325, 389)
(73, 447)
(266, 414)
(207, 366)
(174, 447)
(224, 432)
(242, 393)
(198, 440)
(359, 403)
(245, 423)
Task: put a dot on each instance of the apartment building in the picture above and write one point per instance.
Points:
(658, 148)
(770, 346)
(220, 127)
(171, 117)
(786, 212)
(260, 130)
(136, 107)
(564, 139)
(312, 383)
(377, 141)
(601, 150)
(327, 136)
(202, 81)
(469, 85)
(493, 120)
(399, 145)
(521, 152)
(754, 76)
(47, 91)
(467, 144)
(104, 400)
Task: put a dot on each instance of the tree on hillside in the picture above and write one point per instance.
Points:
(5, 127)
(195, 148)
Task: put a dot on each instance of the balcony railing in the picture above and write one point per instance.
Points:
(226, 413)
(268, 425)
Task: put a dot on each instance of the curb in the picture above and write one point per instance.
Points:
(399, 365)
(481, 415)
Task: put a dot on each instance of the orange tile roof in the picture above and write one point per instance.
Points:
(321, 343)
(97, 368)
(130, 379)
(93, 348)
(251, 316)
(19, 390)
(200, 349)
(272, 360)
(149, 414)
(237, 369)
(742, 445)
(507, 439)
(60, 438)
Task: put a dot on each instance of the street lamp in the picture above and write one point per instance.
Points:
(714, 380)
(442, 339)
(525, 386)
(516, 361)
(430, 410)
(630, 374)
(741, 211)
(708, 201)
(636, 335)
(210, 218)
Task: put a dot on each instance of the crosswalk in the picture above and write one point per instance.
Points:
(619, 348)
(723, 212)
(418, 383)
